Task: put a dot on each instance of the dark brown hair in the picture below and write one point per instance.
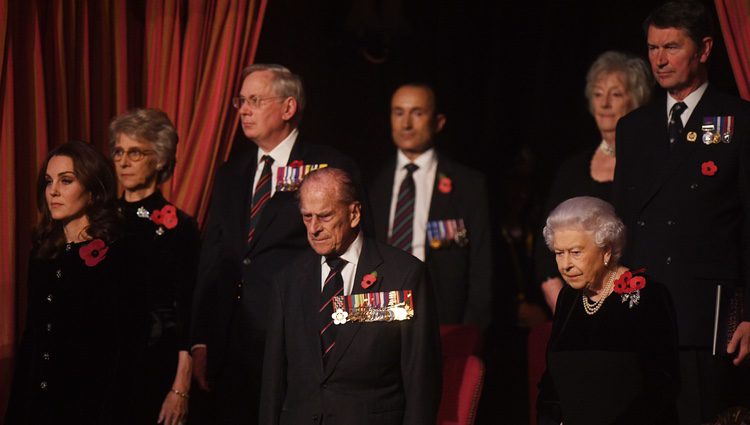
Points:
(95, 174)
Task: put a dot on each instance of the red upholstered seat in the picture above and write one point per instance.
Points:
(463, 375)
(537, 355)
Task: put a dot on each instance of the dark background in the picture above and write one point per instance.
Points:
(510, 78)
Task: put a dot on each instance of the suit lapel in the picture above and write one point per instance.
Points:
(310, 300)
(680, 152)
(369, 260)
(270, 211)
(440, 203)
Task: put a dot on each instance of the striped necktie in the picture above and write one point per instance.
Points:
(261, 195)
(333, 286)
(403, 219)
(675, 126)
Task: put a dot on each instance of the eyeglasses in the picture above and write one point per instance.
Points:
(133, 154)
(254, 102)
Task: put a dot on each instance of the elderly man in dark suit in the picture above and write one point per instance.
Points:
(435, 209)
(682, 187)
(352, 333)
(253, 231)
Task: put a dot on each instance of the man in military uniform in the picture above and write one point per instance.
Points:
(682, 187)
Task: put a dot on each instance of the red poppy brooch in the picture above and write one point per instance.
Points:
(165, 217)
(629, 287)
(93, 252)
(709, 168)
(445, 185)
(369, 279)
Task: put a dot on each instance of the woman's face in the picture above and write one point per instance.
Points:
(579, 260)
(135, 175)
(610, 101)
(66, 197)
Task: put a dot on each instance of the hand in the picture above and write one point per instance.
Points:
(741, 340)
(199, 355)
(173, 410)
(551, 289)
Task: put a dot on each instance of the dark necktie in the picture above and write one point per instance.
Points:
(403, 219)
(261, 195)
(674, 129)
(333, 286)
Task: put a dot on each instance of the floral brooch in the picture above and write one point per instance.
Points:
(93, 252)
(445, 184)
(369, 279)
(709, 168)
(629, 287)
(165, 217)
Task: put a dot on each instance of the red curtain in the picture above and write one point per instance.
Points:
(68, 66)
(734, 17)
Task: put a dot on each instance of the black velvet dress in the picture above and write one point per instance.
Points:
(617, 366)
(74, 365)
(167, 241)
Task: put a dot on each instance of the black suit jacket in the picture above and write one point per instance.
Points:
(234, 277)
(690, 230)
(378, 373)
(460, 276)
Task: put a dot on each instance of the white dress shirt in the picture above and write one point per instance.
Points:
(424, 181)
(691, 101)
(351, 255)
(280, 155)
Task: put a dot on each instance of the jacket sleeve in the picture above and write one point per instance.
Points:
(274, 363)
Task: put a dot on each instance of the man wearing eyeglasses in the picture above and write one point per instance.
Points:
(253, 231)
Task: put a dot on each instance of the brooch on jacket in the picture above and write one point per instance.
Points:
(93, 252)
(165, 217)
(629, 287)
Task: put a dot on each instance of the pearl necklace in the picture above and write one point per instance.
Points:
(594, 307)
(606, 148)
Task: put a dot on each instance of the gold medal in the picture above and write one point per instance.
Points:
(692, 136)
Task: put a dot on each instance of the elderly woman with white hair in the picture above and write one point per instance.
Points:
(612, 355)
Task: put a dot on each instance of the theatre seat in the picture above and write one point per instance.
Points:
(463, 375)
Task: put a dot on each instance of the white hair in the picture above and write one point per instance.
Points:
(591, 215)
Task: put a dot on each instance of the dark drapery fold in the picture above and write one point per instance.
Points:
(67, 67)
(734, 17)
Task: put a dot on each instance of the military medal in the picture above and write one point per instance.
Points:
(443, 233)
(692, 136)
(718, 129)
(373, 307)
(289, 178)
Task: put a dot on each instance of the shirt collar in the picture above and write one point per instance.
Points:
(351, 255)
(691, 101)
(282, 151)
(423, 161)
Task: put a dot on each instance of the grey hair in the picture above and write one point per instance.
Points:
(285, 83)
(593, 216)
(341, 181)
(152, 126)
(638, 79)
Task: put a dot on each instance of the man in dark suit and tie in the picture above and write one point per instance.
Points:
(682, 187)
(253, 231)
(352, 334)
(435, 209)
